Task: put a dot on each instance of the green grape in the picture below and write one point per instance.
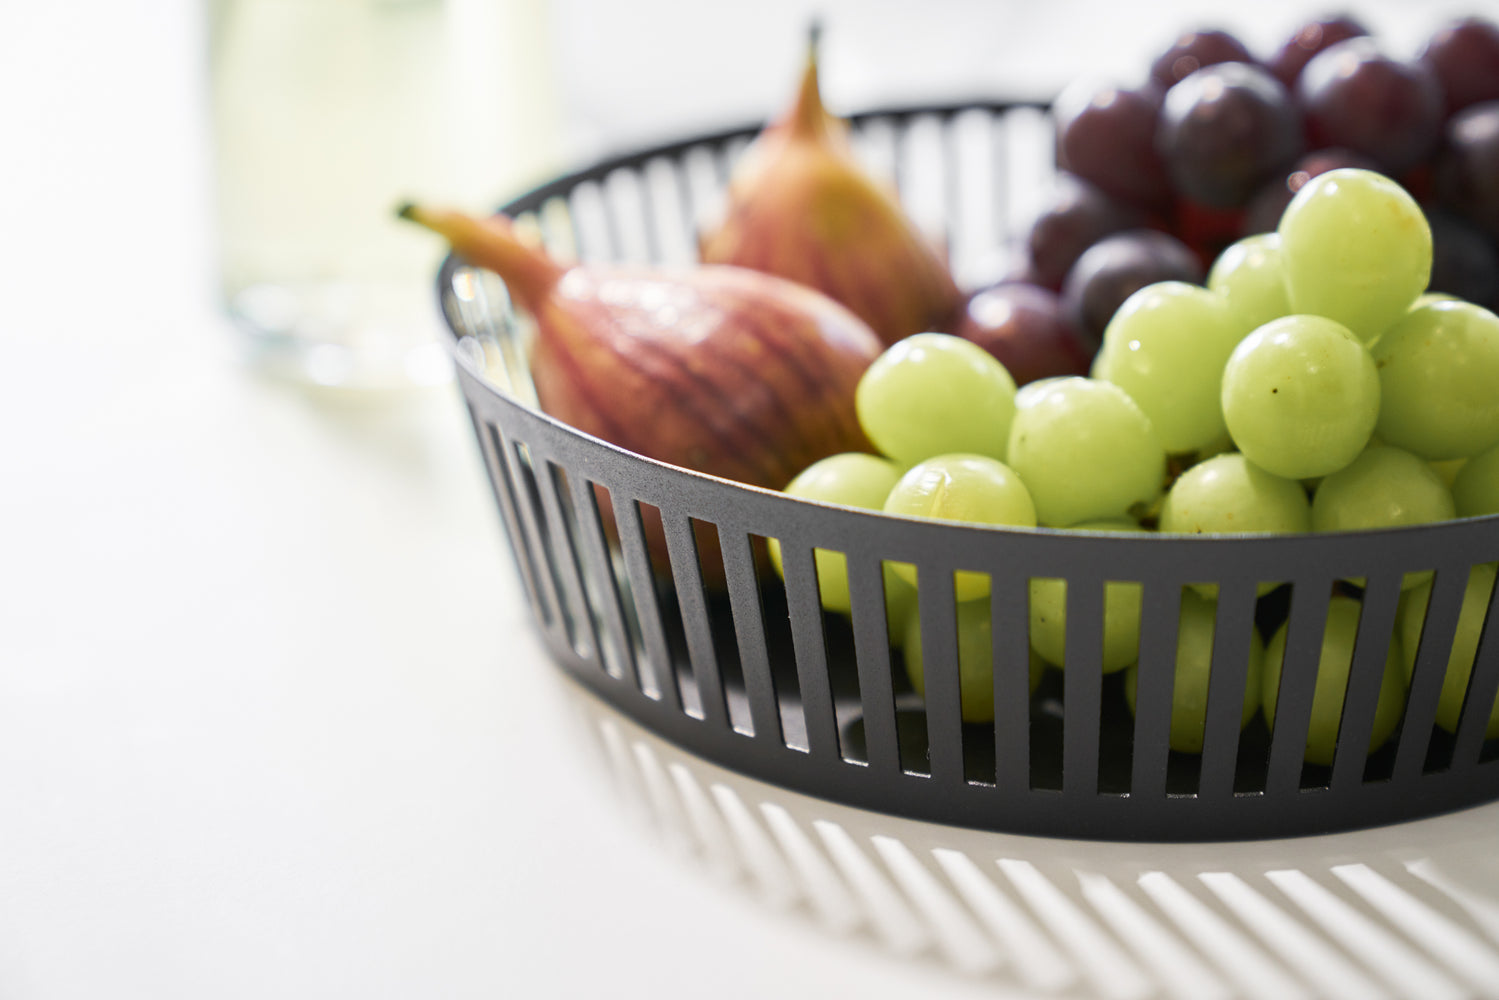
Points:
(1086, 451)
(1356, 249)
(851, 479)
(1464, 644)
(935, 394)
(1194, 661)
(1439, 381)
(1121, 612)
(1251, 276)
(1300, 396)
(974, 489)
(975, 659)
(1331, 690)
(1166, 346)
(1383, 488)
(1228, 494)
(1475, 490)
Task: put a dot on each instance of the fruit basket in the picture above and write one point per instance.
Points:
(752, 674)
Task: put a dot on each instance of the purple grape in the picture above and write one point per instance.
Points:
(1105, 136)
(1467, 168)
(1025, 327)
(1080, 215)
(1268, 204)
(1356, 97)
(1464, 57)
(1224, 131)
(1287, 63)
(1464, 262)
(1194, 50)
(1116, 267)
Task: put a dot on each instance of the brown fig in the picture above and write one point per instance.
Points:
(801, 205)
(718, 369)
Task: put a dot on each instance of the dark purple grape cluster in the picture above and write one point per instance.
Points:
(1157, 179)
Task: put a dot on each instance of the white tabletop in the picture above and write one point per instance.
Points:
(273, 722)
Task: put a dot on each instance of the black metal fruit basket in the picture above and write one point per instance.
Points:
(756, 676)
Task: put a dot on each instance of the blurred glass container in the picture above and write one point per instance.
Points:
(326, 115)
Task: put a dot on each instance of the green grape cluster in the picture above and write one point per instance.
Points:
(1312, 385)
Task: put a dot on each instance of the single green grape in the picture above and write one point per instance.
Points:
(1333, 665)
(1194, 661)
(851, 479)
(1166, 346)
(1300, 396)
(1356, 249)
(974, 489)
(975, 659)
(1251, 277)
(1384, 487)
(1439, 381)
(935, 394)
(1475, 489)
(1228, 494)
(1121, 612)
(1086, 451)
(1470, 621)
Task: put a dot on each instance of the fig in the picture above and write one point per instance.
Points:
(800, 205)
(718, 369)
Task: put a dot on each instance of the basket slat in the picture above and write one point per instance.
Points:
(1083, 685)
(1431, 668)
(1009, 599)
(687, 579)
(1365, 674)
(1160, 613)
(749, 631)
(628, 519)
(1226, 682)
(872, 651)
(601, 570)
(1483, 687)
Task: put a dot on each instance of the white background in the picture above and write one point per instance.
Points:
(272, 721)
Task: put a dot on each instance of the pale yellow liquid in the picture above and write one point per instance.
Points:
(330, 113)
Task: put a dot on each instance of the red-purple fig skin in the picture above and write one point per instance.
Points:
(718, 369)
(802, 206)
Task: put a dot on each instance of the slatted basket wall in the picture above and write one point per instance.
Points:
(754, 675)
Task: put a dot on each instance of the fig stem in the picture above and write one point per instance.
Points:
(809, 118)
(492, 243)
